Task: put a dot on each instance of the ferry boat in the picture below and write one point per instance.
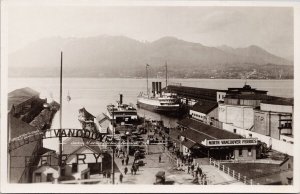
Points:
(122, 113)
(159, 101)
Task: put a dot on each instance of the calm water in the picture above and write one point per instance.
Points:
(95, 93)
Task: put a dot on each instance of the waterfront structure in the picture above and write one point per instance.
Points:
(25, 110)
(78, 167)
(47, 168)
(23, 159)
(20, 100)
(202, 140)
(252, 113)
(205, 111)
(102, 123)
(238, 105)
(86, 119)
(274, 118)
(81, 159)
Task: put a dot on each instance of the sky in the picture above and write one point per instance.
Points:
(268, 27)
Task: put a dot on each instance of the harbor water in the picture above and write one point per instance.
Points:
(96, 93)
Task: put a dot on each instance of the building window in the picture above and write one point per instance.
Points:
(38, 177)
(234, 130)
(290, 181)
(74, 167)
(249, 152)
(240, 152)
(289, 165)
(49, 177)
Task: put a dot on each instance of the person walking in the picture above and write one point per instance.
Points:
(125, 170)
(122, 161)
(159, 158)
(121, 178)
(127, 160)
(192, 167)
(200, 171)
(131, 170)
(188, 169)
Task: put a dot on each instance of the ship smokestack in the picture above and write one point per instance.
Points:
(159, 88)
(156, 86)
(121, 99)
(153, 88)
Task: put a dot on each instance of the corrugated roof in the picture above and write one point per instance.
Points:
(207, 131)
(188, 143)
(20, 95)
(19, 127)
(204, 106)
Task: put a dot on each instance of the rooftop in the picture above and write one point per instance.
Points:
(19, 127)
(204, 106)
(200, 131)
(193, 92)
(20, 95)
(280, 101)
(245, 88)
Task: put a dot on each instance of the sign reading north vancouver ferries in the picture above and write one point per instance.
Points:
(231, 142)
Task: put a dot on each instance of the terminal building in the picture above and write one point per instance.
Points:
(252, 113)
(194, 138)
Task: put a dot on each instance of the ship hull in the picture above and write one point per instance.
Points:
(157, 108)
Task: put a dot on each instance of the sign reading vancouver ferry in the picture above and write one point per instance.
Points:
(231, 142)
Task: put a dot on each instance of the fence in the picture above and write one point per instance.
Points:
(236, 175)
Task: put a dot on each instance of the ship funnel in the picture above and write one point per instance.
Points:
(159, 88)
(153, 88)
(121, 99)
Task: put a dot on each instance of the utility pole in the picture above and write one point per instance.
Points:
(113, 147)
(60, 116)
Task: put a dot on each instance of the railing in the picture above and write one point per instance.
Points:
(236, 175)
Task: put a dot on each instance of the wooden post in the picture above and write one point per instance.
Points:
(233, 173)
(251, 181)
(223, 168)
(228, 170)
(245, 179)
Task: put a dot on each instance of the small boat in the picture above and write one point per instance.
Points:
(68, 97)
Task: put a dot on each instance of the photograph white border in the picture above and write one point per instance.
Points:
(16, 188)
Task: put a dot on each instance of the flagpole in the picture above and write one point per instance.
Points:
(60, 116)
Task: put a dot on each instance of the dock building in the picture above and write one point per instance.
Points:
(193, 137)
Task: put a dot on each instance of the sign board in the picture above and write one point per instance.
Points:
(230, 142)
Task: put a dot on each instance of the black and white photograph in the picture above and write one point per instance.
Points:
(124, 94)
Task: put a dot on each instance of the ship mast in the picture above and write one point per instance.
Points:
(147, 79)
(166, 74)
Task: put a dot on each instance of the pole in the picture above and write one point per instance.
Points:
(166, 74)
(113, 151)
(147, 79)
(60, 116)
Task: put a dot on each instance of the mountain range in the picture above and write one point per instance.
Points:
(119, 56)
